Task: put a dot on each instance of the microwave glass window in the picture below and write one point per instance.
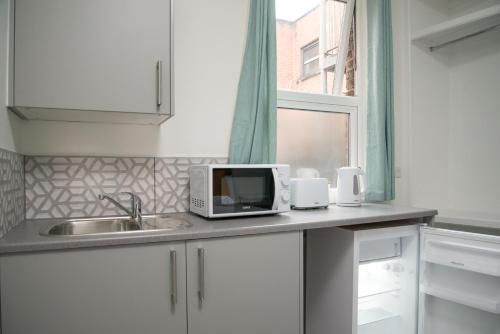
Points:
(242, 190)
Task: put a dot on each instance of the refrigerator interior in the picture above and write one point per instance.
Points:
(387, 285)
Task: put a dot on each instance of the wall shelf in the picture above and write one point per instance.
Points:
(459, 28)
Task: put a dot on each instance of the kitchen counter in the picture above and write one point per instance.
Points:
(26, 238)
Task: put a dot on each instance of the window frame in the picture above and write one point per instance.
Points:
(326, 103)
(303, 61)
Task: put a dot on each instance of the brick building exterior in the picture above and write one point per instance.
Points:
(292, 37)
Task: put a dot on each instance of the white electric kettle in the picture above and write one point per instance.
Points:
(349, 192)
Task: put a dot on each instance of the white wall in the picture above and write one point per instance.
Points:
(474, 123)
(401, 56)
(454, 118)
(8, 122)
(209, 45)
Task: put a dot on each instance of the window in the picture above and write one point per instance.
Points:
(317, 106)
(316, 46)
(325, 145)
(310, 59)
(316, 131)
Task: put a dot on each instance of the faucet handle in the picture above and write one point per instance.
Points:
(131, 194)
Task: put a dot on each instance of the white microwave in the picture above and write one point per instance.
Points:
(239, 190)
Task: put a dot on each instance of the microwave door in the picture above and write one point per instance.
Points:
(242, 190)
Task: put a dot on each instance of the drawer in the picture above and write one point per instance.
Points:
(373, 250)
(461, 252)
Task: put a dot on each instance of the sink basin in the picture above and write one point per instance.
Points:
(96, 226)
(93, 226)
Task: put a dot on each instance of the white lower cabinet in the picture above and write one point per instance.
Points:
(245, 285)
(234, 285)
(116, 290)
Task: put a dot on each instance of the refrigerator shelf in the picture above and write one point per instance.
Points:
(480, 303)
(466, 254)
(374, 314)
(384, 292)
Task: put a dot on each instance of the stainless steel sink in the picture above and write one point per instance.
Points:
(94, 226)
(99, 226)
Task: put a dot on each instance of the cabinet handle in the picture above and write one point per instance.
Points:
(201, 274)
(159, 79)
(173, 277)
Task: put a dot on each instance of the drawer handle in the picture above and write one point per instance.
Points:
(173, 277)
(201, 275)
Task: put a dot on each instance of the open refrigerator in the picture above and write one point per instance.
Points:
(401, 279)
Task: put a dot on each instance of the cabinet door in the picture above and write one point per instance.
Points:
(245, 285)
(122, 290)
(92, 54)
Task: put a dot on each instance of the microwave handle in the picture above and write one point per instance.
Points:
(276, 188)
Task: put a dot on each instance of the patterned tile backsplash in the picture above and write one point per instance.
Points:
(69, 186)
(58, 187)
(172, 182)
(11, 190)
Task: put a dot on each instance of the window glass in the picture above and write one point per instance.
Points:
(300, 38)
(313, 139)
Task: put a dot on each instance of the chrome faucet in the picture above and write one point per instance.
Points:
(135, 211)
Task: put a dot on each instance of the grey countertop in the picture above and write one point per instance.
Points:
(26, 238)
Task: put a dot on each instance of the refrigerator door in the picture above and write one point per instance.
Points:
(459, 282)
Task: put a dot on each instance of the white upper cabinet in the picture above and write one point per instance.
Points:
(93, 60)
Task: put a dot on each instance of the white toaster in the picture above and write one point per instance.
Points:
(309, 193)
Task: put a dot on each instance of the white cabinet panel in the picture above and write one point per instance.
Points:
(92, 55)
(122, 290)
(249, 285)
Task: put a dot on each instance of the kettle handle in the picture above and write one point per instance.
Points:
(362, 182)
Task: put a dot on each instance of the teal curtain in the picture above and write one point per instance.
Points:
(253, 135)
(380, 119)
